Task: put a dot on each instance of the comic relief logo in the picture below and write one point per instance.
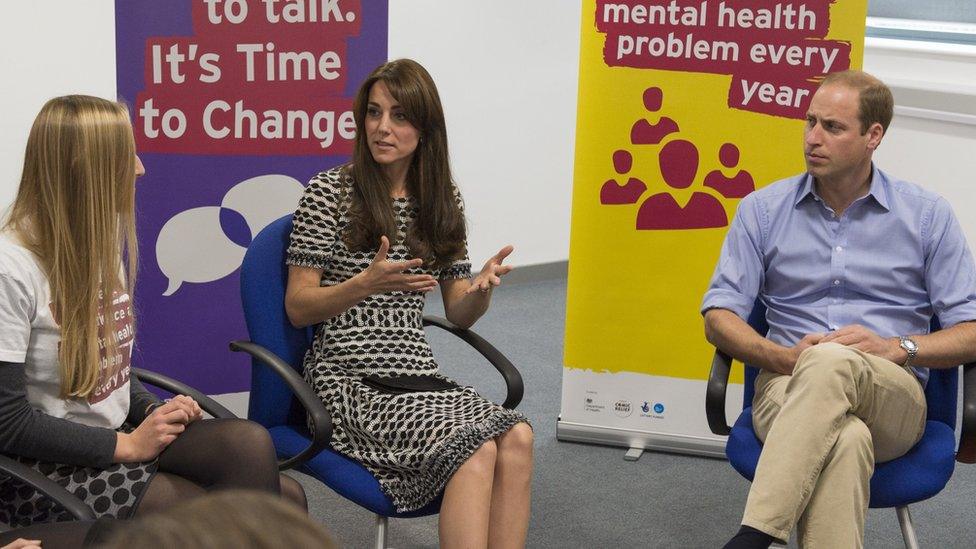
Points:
(622, 408)
(208, 243)
(680, 168)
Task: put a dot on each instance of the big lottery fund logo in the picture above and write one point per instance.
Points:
(208, 243)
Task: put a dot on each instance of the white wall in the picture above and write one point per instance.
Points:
(48, 48)
(932, 140)
(507, 72)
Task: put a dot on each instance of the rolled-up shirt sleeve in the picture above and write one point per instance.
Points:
(739, 274)
(950, 273)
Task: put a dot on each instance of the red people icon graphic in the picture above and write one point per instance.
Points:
(679, 167)
(736, 186)
(612, 193)
(645, 133)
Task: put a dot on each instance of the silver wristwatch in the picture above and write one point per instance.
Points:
(910, 347)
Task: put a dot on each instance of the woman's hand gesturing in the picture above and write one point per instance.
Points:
(492, 272)
(384, 276)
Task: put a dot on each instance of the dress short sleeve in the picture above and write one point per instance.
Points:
(460, 267)
(316, 227)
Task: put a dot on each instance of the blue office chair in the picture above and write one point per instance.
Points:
(918, 475)
(280, 398)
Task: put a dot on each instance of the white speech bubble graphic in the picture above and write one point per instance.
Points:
(262, 199)
(192, 247)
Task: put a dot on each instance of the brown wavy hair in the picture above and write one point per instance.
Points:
(438, 234)
(75, 212)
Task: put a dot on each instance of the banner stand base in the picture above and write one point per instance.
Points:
(661, 442)
(633, 454)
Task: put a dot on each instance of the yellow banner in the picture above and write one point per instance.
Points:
(684, 107)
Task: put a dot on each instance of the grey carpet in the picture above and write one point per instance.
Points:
(588, 496)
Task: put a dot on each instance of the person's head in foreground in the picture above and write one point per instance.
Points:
(232, 519)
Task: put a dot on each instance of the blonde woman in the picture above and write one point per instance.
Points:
(68, 407)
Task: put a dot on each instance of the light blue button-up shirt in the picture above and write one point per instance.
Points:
(893, 259)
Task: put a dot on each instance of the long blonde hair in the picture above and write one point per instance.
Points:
(75, 211)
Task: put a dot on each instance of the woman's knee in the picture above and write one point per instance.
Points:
(292, 491)
(247, 435)
(516, 444)
(482, 461)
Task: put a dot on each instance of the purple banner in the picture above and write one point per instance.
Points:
(235, 105)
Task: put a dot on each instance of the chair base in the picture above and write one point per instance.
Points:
(907, 528)
(381, 523)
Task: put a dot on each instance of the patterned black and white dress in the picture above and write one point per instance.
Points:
(412, 443)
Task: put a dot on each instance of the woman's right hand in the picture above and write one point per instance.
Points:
(21, 543)
(384, 276)
(154, 434)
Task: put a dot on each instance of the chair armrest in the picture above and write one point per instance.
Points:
(967, 439)
(317, 412)
(167, 383)
(718, 382)
(76, 507)
(513, 379)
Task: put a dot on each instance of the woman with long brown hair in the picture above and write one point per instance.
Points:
(68, 407)
(370, 239)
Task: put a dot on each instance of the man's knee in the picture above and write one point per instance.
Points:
(826, 361)
(854, 440)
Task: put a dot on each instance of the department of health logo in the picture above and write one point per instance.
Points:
(592, 403)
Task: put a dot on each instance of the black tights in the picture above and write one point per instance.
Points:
(210, 455)
(215, 454)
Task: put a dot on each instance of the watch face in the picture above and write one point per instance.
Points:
(909, 345)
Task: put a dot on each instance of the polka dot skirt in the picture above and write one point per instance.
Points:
(113, 492)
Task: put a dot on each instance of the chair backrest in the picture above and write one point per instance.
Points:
(264, 277)
(941, 391)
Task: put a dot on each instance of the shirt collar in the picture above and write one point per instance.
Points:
(878, 190)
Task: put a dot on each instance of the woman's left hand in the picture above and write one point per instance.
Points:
(190, 406)
(492, 272)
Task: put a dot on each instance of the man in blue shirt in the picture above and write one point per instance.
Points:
(851, 265)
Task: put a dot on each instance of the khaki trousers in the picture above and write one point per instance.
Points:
(823, 428)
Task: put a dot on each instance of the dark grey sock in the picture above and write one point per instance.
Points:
(750, 538)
